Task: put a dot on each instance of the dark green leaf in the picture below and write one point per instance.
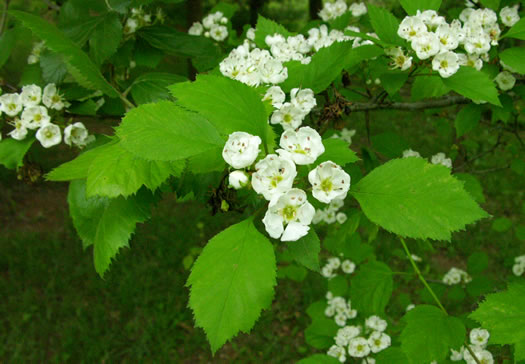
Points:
(467, 119)
(12, 151)
(151, 87)
(337, 151)
(473, 84)
(385, 25)
(306, 250)
(371, 288)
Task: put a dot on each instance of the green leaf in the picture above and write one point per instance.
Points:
(266, 27)
(12, 151)
(493, 4)
(232, 282)
(227, 104)
(107, 224)
(53, 67)
(7, 43)
(389, 144)
(472, 186)
(85, 72)
(320, 334)
(426, 87)
(467, 119)
(371, 288)
(503, 315)
(392, 81)
(166, 132)
(517, 31)
(477, 262)
(362, 53)
(413, 198)
(412, 6)
(104, 41)
(319, 359)
(151, 87)
(392, 355)
(513, 57)
(385, 25)
(337, 151)
(501, 224)
(306, 250)
(475, 85)
(430, 334)
(338, 241)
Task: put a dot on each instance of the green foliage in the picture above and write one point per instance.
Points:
(412, 6)
(413, 198)
(371, 288)
(153, 86)
(320, 334)
(477, 262)
(501, 224)
(385, 25)
(472, 185)
(306, 250)
(517, 31)
(107, 224)
(429, 334)
(492, 4)
(166, 132)
(392, 355)
(389, 144)
(267, 27)
(231, 282)
(502, 314)
(12, 152)
(84, 71)
(513, 57)
(426, 87)
(337, 151)
(7, 42)
(467, 119)
(319, 359)
(475, 85)
(106, 38)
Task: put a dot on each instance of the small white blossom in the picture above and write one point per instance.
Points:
(241, 149)
(378, 341)
(347, 266)
(376, 323)
(410, 307)
(196, 29)
(276, 96)
(274, 175)
(410, 153)
(358, 9)
(345, 334)
(358, 347)
(411, 28)
(479, 337)
(51, 98)
(219, 33)
(456, 355)
(31, 95)
(446, 63)
(337, 352)
(341, 217)
(131, 26)
(250, 34)
(289, 116)
(302, 146)
(238, 179)
(20, 130)
(303, 99)
(11, 104)
(440, 158)
(426, 46)
(35, 117)
(329, 181)
(456, 276)
(399, 59)
(509, 15)
(505, 80)
(49, 135)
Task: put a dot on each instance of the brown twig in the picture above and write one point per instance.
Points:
(407, 106)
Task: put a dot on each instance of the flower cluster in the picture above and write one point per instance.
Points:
(331, 214)
(439, 158)
(25, 112)
(333, 264)
(456, 276)
(340, 309)
(519, 265)
(478, 340)
(333, 10)
(139, 18)
(431, 36)
(290, 115)
(36, 51)
(212, 26)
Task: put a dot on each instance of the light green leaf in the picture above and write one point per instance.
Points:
(337, 151)
(517, 31)
(231, 282)
(467, 119)
(106, 38)
(413, 198)
(412, 6)
(266, 27)
(426, 87)
(385, 25)
(227, 104)
(153, 86)
(306, 250)
(473, 84)
(513, 57)
(362, 53)
(12, 151)
(492, 4)
(319, 359)
(107, 224)
(430, 334)
(392, 355)
(85, 72)
(371, 288)
(392, 81)
(166, 132)
(320, 334)
(503, 315)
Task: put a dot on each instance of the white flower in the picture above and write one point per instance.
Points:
(49, 135)
(241, 149)
(337, 352)
(274, 175)
(20, 131)
(376, 323)
(378, 341)
(456, 355)
(470, 60)
(426, 46)
(238, 179)
(455, 276)
(440, 158)
(400, 60)
(340, 319)
(11, 104)
(478, 42)
(505, 80)
(348, 266)
(250, 34)
(51, 98)
(76, 134)
(358, 347)
(509, 15)
(302, 146)
(34, 57)
(272, 71)
(446, 63)
(31, 95)
(329, 182)
(291, 209)
(347, 134)
(219, 32)
(518, 269)
(447, 38)
(196, 29)
(289, 116)
(276, 96)
(479, 337)
(130, 26)
(483, 356)
(303, 99)
(334, 262)
(410, 153)
(329, 216)
(341, 217)
(328, 272)
(35, 117)
(411, 28)
(358, 9)
(410, 307)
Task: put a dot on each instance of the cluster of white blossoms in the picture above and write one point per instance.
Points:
(332, 10)
(25, 112)
(290, 115)
(339, 308)
(333, 264)
(36, 51)
(478, 341)
(438, 158)
(212, 26)
(331, 213)
(139, 18)
(351, 340)
(431, 36)
(456, 276)
(519, 265)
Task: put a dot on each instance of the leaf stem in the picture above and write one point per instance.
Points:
(126, 101)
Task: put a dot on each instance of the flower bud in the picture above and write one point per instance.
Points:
(238, 179)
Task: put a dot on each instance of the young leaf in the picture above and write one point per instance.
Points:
(85, 72)
(106, 38)
(337, 151)
(426, 87)
(517, 31)
(320, 334)
(467, 119)
(413, 198)
(513, 57)
(107, 224)
(232, 282)
(503, 315)
(267, 27)
(306, 250)
(385, 25)
(430, 334)
(12, 151)
(412, 6)
(166, 132)
(475, 85)
(228, 104)
(151, 87)
(371, 288)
